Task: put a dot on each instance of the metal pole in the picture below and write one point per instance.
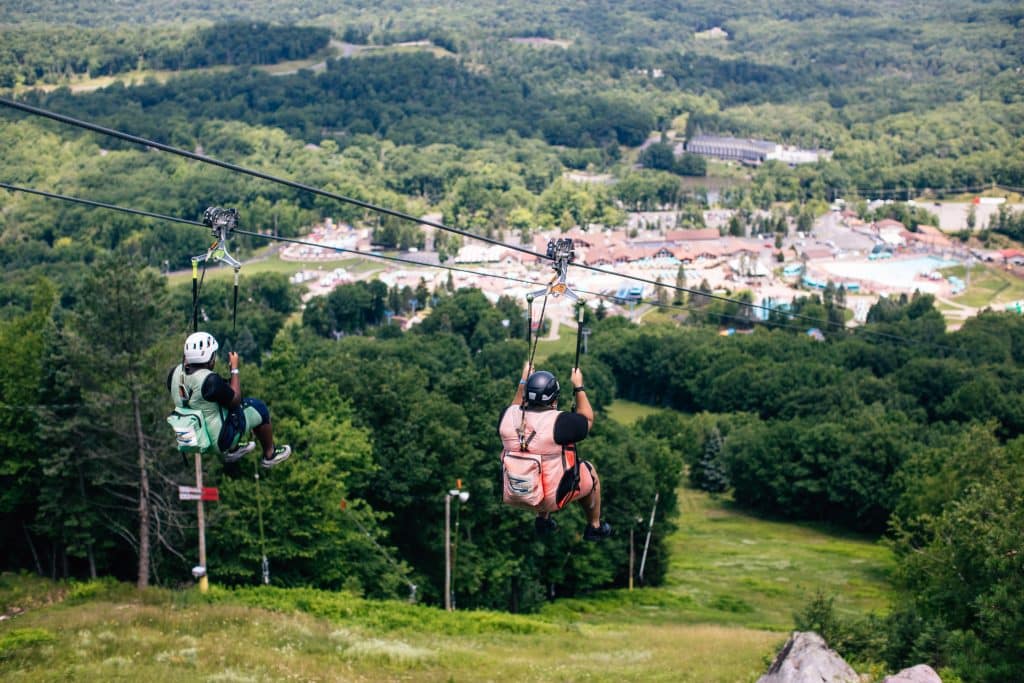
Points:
(647, 543)
(529, 321)
(580, 307)
(204, 583)
(195, 295)
(447, 552)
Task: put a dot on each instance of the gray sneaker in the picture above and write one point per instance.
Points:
(242, 450)
(281, 453)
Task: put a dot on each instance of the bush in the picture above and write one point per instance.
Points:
(21, 639)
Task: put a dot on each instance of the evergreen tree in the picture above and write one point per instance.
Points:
(709, 474)
(680, 296)
(122, 317)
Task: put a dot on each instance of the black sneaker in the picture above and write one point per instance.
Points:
(545, 525)
(281, 453)
(242, 450)
(598, 533)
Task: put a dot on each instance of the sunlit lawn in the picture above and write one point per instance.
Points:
(732, 587)
(275, 264)
(732, 568)
(566, 343)
(746, 570)
(733, 584)
(990, 286)
(628, 412)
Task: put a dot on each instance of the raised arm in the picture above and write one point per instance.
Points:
(518, 398)
(583, 406)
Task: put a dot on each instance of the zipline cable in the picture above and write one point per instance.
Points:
(398, 259)
(101, 205)
(239, 231)
(63, 118)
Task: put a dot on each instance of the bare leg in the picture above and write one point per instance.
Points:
(265, 435)
(592, 503)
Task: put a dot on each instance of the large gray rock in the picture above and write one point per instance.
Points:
(805, 658)
(922, 673)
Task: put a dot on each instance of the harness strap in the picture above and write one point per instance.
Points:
(234, 304)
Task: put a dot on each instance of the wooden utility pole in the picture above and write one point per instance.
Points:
(144, 509)
(204, 582)
(632, 557)
(448, 552)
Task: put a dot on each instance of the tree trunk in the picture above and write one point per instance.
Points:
(32, 547)
(88, 548)
(92, 562)
(143, 580)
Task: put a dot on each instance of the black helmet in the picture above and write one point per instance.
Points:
(541, 389)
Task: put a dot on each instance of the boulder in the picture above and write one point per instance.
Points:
(805, 658)
(922, 673)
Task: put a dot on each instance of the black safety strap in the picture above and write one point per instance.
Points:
(234, 306)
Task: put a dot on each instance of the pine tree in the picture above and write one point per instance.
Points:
(117, 329)
(680, 297)
(709, 474)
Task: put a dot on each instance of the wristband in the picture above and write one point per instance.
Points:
(578, 389)
(522, 381)
(234, 371)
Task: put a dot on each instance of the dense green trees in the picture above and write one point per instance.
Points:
(860, 430)
(53, 54)
(385, 424)
(918, 434)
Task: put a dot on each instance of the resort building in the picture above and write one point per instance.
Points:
(753, 152)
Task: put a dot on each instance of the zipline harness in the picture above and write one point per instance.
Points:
(561, 253)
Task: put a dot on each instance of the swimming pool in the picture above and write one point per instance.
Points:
(902, 273)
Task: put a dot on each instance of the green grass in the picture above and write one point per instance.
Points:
(628, 412)
(263, 263)
(772, 567)
(566, 343)
(733, 585)
(300, 634)
(991, 286)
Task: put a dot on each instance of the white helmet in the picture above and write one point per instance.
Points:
(199, 348)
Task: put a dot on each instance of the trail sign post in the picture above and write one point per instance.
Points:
(200, 493)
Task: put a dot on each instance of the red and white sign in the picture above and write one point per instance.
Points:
(195, 493)
(189, 493)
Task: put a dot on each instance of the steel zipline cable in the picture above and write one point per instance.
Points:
(354, 252)
(722, 317)
(63, 118)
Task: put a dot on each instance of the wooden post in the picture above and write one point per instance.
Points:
(204, 582)
(632, 555)
(448, 552)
